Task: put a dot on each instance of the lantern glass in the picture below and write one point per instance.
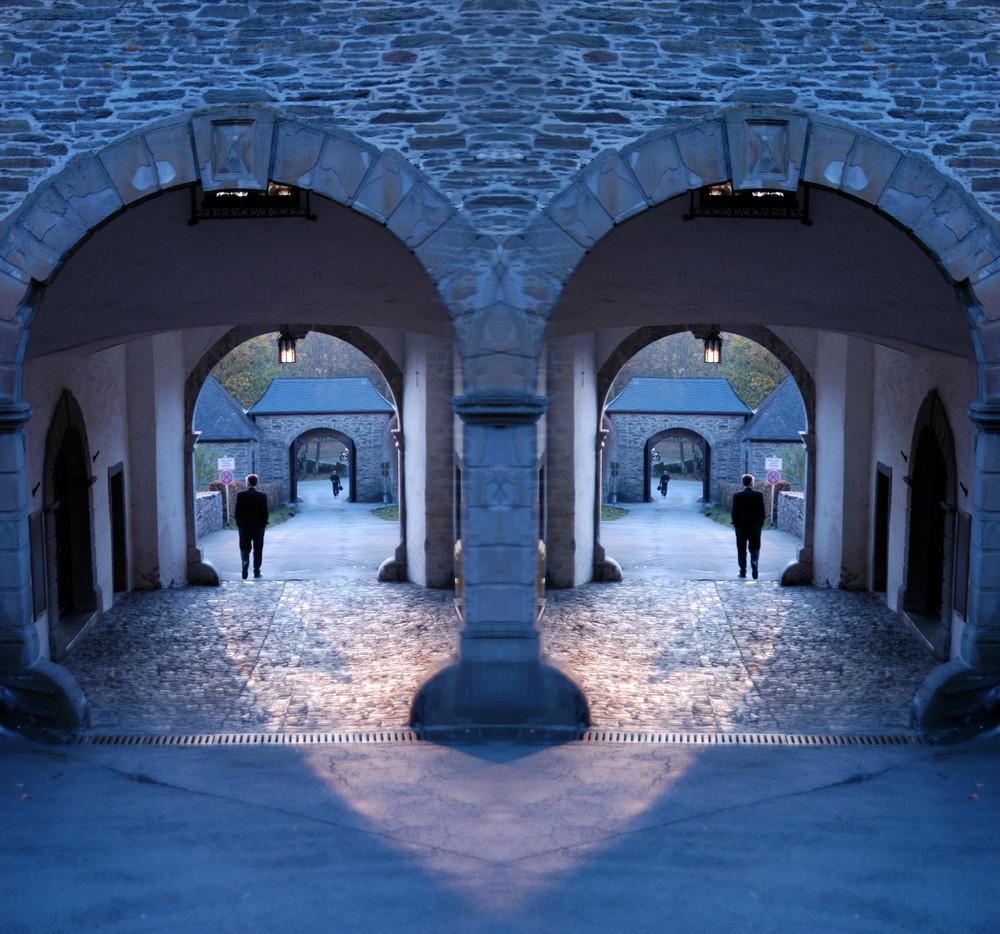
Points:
(286, 347)
(713, 348)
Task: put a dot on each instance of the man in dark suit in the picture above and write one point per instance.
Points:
(748, 519)
(251, 518)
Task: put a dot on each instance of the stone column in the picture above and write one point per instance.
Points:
(606, 568)
(35, 694)
(199, 571)
(962, 697)
(981, 636)
(499, 684)
(800, 572)
(572, 421)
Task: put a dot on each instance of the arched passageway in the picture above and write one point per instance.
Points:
(697, 460)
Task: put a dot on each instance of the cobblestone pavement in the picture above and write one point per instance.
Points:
(650, 655)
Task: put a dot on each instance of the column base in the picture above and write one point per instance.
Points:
(956, 702)
(493, 701)
(201, 573)
(393, 569)
(797, 574)
(42, 699)
(606, 569)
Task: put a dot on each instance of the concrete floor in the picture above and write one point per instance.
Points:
(582, 838)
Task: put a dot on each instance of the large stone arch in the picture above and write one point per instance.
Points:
(958, 237)
(198, 570)
(52, 223)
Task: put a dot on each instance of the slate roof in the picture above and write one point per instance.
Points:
(219, 417)
(660, 394)
(780, 417)
(337, 395)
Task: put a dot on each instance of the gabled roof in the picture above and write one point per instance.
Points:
(659, 394)
(780, 417)
(336, 395)
(219, 417)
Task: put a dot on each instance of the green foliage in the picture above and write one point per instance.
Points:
(247, 370)
(752, 371)
(390, 513)
(206, 464)
(609, 513)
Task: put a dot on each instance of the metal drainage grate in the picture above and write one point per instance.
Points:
(749, 739)
(410, 736)
(247, 739)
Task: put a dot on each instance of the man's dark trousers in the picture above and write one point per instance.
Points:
(251, 519)
(748, 519)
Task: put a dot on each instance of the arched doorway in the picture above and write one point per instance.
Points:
(667, 448)
(340, 450)
(74, 598)
(927, 595)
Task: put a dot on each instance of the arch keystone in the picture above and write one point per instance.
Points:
(233, 148)
(766, 148)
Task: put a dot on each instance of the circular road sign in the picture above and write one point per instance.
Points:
(226, 476)
(773, 476)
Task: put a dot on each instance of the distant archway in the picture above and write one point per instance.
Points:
(74, 598)
(927, 594)
(351, 462)
(698, 441)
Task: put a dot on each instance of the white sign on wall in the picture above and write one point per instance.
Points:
(772, 463)
(227, 463)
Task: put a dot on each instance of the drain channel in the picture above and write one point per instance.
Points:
(410, 736)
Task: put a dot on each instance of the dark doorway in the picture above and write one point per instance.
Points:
(880, 556)
(119, 546)
(927, 521)
(927, 598)
(73, 595)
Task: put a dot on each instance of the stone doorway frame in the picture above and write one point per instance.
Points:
(931, 424)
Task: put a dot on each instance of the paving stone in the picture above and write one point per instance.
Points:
(650, 655)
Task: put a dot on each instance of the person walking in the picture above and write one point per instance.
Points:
(251, 519)
(664, 480)
(335, 483)
(748, 520)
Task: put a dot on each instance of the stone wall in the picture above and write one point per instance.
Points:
(722, 432)
(500, 100)
(368, 432)
(792, 513)
(207, 513)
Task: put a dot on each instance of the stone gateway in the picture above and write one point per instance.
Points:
(500, 202)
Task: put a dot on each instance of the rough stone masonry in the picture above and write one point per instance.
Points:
(500, 101)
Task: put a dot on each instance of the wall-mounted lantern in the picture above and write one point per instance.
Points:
(713, 346)
(286, 347)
